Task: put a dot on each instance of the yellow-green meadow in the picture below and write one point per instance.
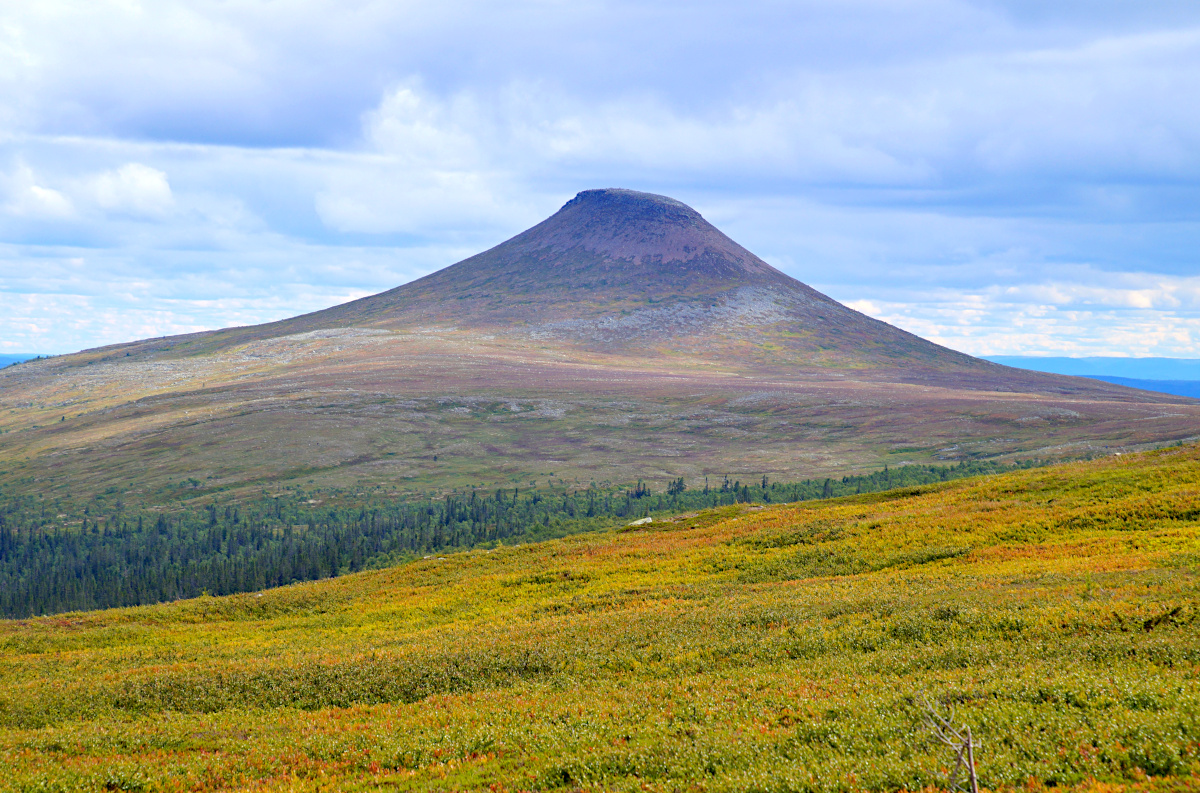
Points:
(744, 648)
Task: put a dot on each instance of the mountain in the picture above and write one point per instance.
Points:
(622, 337)
(618, 271)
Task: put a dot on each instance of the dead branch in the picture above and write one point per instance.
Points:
(958, 739)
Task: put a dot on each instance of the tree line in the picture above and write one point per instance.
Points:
(57, 557)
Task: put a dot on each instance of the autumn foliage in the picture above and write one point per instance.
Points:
(742, 648)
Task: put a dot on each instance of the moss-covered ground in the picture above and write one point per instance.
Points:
(776, 648)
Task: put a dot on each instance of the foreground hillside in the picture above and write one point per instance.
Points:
(746, 648)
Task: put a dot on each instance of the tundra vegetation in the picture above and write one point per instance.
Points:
(741, 647)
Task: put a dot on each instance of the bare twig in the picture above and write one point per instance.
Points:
(958, 739)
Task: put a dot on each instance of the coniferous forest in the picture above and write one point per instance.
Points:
(57, 557)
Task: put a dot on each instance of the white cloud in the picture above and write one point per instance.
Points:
(1151, 292)
(1096, 107)
(55, 303)
(1067, 127)
(1097, 317)
(133, 188)
(27, 198)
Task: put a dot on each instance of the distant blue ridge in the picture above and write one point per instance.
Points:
(1187, 388)
(1176, 376)
(1170, 369)
(16, 357)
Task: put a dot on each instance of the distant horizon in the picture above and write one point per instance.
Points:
(1167, 375)
(1041, 357)
(10, 357)
(1088, 357)
(994, 358)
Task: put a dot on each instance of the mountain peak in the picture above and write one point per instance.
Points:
(649, 237)
(621, 270)
(633, 204)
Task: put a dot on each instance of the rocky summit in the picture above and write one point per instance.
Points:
(623, 337)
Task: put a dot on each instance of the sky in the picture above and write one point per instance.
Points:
(1006, 177)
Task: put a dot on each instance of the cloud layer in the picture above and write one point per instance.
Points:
(995, 176)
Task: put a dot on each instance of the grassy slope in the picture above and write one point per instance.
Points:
(431, 412)
(770, 649)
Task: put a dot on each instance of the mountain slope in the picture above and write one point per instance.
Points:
(619, 271)
(623, 337)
